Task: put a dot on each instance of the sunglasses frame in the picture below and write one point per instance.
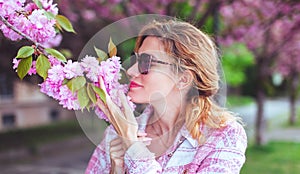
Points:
(145, 70)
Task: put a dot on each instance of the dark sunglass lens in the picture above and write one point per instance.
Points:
(144, 63)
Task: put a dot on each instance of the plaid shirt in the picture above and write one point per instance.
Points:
(222, 152)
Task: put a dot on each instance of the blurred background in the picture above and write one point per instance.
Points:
(259, 42)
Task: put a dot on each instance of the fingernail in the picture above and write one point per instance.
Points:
(142, 134)
(147, 139)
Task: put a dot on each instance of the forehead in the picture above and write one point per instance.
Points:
(151, 44)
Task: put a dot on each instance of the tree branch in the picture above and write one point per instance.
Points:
(19, 32)
(213, 5)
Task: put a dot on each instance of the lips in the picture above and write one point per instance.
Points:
(134, 85)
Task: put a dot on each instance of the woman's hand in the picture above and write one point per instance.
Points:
(117, 151)
(124, 121)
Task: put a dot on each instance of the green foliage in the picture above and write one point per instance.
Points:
(24, 66)
(83, 97)
(236, 59)
(63, 22)
(100, 92)
(76, 83)
(102, 55)
(183, 9)
(38, 4)
(91, 93)
(42, 66)
(56, 54)
(49, 15)
(67, 53)
(276, 157)
(25, 52)
(234, 101)
(112, 49)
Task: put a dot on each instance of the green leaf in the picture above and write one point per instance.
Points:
(49, 15)
(64, 23)
(91, 93)
(76, 83)
(66, 52)
(25, 52)
(83, 97)
(100, 92)
(42, 66)
(38, 3)
(24, 66)
(65, 81)
(101, 54)
(56, 54)
(112, 49)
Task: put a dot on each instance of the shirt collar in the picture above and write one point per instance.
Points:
(186, 134)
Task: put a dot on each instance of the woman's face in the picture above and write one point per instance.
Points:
(159, 83)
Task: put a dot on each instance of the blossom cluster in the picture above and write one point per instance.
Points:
(75, 84)
(90, 68)
(31, 20)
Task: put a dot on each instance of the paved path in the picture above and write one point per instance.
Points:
(276, 113)
(71, 158)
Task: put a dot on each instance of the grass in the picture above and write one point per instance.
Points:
(274, 158)
(33, 137)
(234, 101)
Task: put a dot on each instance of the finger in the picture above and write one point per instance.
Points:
(127, 109)
(107, 112)
(103, 108)
(116, 150)
(116, 141)
(118, 162)
(102, 86)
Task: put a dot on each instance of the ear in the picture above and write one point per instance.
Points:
(185, 80)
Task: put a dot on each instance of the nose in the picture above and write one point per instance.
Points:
(133, 71)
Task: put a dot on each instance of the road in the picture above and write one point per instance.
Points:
(276, 113)
(71, 158)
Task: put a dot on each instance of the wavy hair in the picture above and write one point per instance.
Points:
(193, 50)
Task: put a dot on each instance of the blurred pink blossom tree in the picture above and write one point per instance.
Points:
(270, 29)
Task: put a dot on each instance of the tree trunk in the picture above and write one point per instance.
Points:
(293, 97)
(259, 124)
(260, 98)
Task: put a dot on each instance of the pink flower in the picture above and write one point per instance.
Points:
(53, 61)
(91, 67)
(72, 70)
(51, 88)
(54, 42)
(68, 99)
(16, 63)
(49, 6)
(56, 73)
(32, 70)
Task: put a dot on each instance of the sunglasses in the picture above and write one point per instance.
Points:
(144, 62)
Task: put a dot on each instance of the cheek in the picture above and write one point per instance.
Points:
(161, 84)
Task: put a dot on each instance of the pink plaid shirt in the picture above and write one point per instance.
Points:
(223, 152)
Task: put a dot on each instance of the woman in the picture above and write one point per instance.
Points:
(182, 130)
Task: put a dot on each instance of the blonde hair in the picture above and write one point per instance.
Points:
(194, 51)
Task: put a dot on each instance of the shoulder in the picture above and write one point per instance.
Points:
(231, 135)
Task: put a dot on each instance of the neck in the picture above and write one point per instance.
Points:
(167, 116)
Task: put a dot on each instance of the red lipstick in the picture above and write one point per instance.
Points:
(134, 85)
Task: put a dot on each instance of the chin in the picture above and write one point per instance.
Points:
(135, 98)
